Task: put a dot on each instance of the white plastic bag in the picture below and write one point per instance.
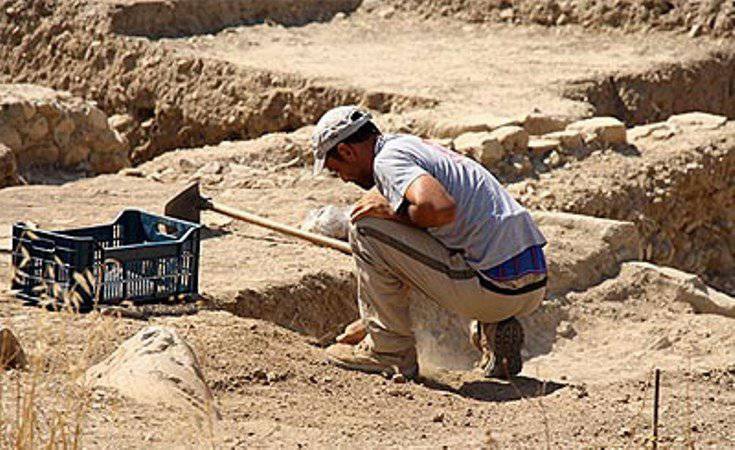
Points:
(330, 220)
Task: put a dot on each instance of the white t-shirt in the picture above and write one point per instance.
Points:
(490, 226)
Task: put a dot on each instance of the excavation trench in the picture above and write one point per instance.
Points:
(706, 84)
(164, 100)
(157, 19)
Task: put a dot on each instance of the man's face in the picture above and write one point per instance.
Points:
(353, 164)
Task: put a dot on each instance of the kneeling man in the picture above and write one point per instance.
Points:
(433, 223)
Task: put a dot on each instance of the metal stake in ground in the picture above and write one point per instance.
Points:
(656, 384)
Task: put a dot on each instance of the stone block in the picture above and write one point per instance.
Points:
(73, 155)
(601, 130)
(513, 138)
(643, 131)
(699, 120)
(538, 124)
(482, 147)
(540, 147)
(452, 128)
(569, 140)
(96, 118)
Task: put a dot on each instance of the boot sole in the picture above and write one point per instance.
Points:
(410, 374)
(506, 361)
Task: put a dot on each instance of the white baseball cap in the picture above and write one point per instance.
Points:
(336, 125)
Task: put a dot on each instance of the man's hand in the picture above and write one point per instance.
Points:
(372, 204)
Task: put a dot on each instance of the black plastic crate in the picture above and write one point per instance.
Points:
(140, 257)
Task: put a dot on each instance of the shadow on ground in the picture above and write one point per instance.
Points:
(498, 390)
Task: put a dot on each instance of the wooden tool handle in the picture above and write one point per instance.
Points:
(318, 239)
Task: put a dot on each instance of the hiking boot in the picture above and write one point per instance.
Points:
(362, 357)
(500, 344)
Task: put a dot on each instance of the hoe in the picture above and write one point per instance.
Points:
(189, 203)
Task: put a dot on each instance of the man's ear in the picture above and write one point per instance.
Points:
(346, 152)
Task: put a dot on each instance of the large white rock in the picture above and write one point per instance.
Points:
(482, 147)
(602, 130)
(155, 366)
(688, 288)
(699, 120)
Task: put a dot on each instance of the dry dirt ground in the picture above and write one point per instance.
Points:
(504, 70)
(270, 302)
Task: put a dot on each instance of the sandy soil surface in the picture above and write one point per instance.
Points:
(469, 68)
(270, 303)
(589, 382)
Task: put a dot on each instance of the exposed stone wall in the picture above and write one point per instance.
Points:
(526, 146)
(159, 18)
(44, 127)
(679, 191)
(175, 101)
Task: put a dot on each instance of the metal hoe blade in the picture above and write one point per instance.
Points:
(187, 204)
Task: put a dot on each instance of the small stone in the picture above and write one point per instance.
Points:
(563, 19)
(554, 159)
(29, 110)
(37, 129)
(661, 343)
(399, 378)
(187, 165)
(565, 330)
(696, 30)
(439, 418)
(132, 172)
(10, 137)
(386, 13)
(507, 14)
(211, 168)
(97, 118)
(120, 122)
(12, 355)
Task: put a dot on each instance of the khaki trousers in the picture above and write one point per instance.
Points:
(396, 261)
